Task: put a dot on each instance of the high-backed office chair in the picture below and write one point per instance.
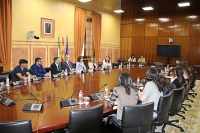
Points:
(115, 64)
(47, 69)
(135, 119)
(22, 126)
(177, 97)
(7, 73)
(164, 105)
(193, 84)
(185, 95)
(3, 78)
(100, 64)
(120, 60)
(158, 64)
(85, 120)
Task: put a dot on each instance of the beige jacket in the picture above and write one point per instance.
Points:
(119, 95)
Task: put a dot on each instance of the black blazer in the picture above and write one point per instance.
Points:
(54, 69)
(64, 66)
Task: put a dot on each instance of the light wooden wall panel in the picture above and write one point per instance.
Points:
(126, 30)
(151, 29)
(181, 28)
(137, 46)
(180, 24)
(126, 18)
(166, 29)
(194, 50)
(195, 28)
(150, 49)
(138, 30)
(125, 47)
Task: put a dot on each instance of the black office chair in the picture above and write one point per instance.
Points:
(192, 84)
(47, 69)
(135, 119)
(158, 64)
(185, 95)
(115, 64)
(120, 60)
(86, 120)
(164, 105)
(21, 126)
(100, 64)
(3, 78)
(177, 97)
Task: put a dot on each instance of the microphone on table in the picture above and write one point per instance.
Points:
(70, 102)
(97, 95)
(32, 107)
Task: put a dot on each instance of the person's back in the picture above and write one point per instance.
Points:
(124, 99)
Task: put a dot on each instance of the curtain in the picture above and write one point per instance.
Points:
(79, 30)
(96, 33)
(5, 33)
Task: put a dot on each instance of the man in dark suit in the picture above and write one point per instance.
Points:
(55, 67)
(67, 64)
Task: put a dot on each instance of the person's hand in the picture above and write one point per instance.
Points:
(46, 75)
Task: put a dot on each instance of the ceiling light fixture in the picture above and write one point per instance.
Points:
(118, 11)
(183, 4)
(147, 8)
(84, 0)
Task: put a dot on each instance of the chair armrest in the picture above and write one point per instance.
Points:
(116, 121)
(156, 112)
(67, 130)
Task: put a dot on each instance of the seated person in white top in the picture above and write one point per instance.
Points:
(141, 59)
(132, 58)
(80, 64)
(107, 63)
(91, 64)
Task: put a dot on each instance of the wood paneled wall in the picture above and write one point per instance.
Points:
(141, 30)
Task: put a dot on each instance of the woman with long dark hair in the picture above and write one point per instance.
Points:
(152, 90)
(174, 78)
(124, 94)
(107, 64)
(179, 74)
(165, 84)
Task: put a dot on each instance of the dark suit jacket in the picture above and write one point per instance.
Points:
(54, 69)
(64, 66)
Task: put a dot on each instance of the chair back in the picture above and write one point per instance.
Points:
(137, 118)
(22, 126)
(164, 105)
(120, 60)
(3, 78)
(86, 120)
(186, 88)
(194, 79)
(177, 98)
(100, 64)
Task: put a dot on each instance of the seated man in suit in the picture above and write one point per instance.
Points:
(141, 59)
(38, 69)
(55, 67)
(67, 64)
(20, 72)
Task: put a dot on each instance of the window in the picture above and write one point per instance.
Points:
(88, 42)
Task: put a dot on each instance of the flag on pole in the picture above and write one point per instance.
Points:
(67, 50)
(62, 50)
(58, 46)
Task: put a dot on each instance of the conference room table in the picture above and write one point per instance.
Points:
(51, 90)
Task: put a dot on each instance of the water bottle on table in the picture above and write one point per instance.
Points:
(80, 96)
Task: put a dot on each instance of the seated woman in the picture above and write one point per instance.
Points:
(132, 58)
(152, 90)
(91, 64)
(141, 59)
(124, 94)
(166, 84)
(174, 78)
(80, 64)
(107, 63)
(179, 74)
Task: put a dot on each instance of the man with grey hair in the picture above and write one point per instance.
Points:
(67, 64)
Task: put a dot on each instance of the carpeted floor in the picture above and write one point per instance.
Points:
(192, 122)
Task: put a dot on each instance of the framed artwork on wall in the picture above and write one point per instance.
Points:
(47, 27)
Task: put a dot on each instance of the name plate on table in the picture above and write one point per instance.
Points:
(32, 107)
(37, 79)
(17, 83)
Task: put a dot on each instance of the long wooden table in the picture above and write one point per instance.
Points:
(53, 116)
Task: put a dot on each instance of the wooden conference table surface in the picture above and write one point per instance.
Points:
(51, 91)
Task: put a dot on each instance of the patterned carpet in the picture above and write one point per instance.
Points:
(192, 122)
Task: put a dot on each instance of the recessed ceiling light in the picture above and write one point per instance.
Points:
(184, 4)
(139, 19)
(147, 8)
(164, 19)
(118, 11)
(84, 0)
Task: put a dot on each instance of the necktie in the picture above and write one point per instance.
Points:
(58, 68)
(69, 65)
